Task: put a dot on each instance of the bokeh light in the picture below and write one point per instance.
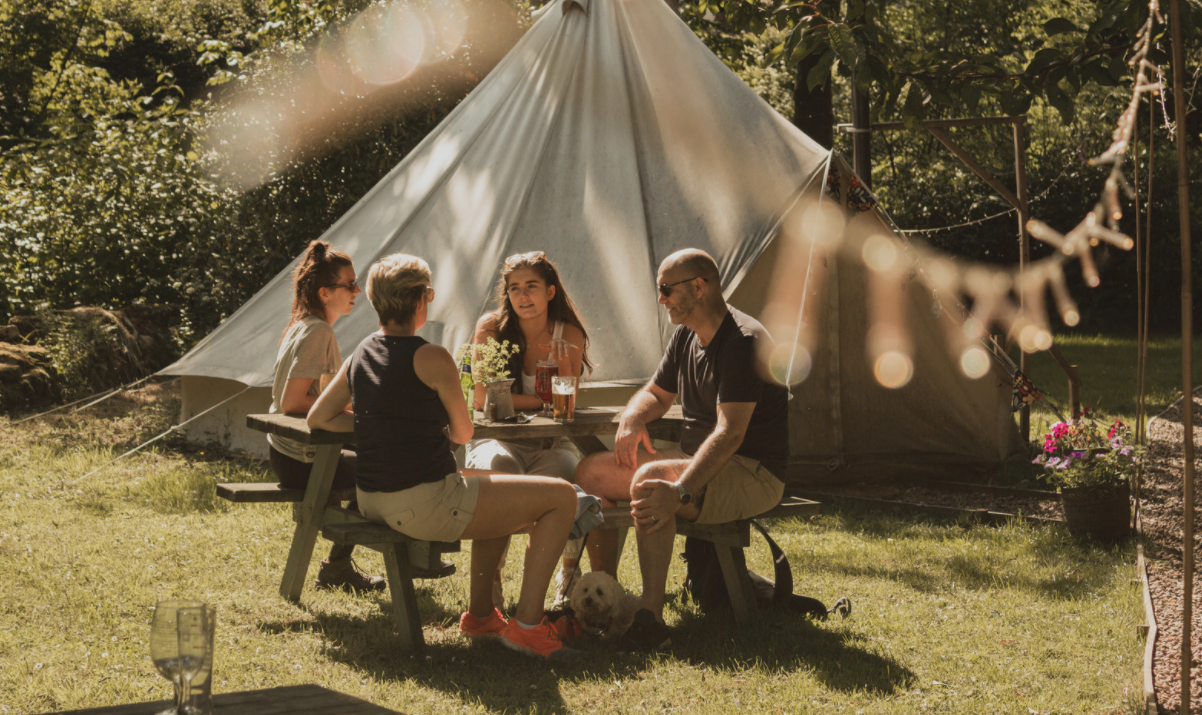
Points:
(880, 253)
(778, 364)
(385, 44)
(893, 369)
(974, 362)
(823, 223)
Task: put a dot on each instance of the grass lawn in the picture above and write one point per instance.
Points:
(1106, 365)
(948, 617)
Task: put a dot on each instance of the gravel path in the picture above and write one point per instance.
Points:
(1163, 530)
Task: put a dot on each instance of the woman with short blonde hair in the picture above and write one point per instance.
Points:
(407, 410)
(395, 286)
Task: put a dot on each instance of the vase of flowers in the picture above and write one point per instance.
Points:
(1092, 469)
(489, 365)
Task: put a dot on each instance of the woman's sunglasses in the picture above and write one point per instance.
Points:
(530, 256)
(352, 286)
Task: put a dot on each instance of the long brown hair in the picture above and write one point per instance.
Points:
(561, 308)
(319, 268)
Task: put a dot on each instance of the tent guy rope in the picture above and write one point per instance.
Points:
(152, 440)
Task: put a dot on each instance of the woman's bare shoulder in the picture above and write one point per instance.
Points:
(572, 334)
(488, 323)
(430, 360)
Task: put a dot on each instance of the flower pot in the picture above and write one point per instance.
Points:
(498, 393)
(1101, 512)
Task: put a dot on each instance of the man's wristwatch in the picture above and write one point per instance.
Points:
(683, 494)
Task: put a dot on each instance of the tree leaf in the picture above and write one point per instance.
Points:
(820, 73)
(1041, 60)
(1061, 101)
(1059, 26)
(971, 96)
(845, 46)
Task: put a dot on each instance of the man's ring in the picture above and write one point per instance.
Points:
(653, 518)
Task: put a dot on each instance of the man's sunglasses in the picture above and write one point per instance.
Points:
(531, 257)
(665, 289)
(352, 286)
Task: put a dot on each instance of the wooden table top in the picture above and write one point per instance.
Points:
(272, 701)
(589, 421)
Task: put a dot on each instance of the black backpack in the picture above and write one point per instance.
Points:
(704, 583)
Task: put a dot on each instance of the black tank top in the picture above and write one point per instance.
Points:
(398, 418)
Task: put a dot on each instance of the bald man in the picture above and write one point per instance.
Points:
(734, 445)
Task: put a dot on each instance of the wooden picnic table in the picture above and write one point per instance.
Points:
(313, 509)
(271, 701)
(314, 513)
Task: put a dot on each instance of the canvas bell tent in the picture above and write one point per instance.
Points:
(610, 137)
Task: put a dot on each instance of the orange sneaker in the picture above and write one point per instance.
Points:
(490, 627)
(540, 641)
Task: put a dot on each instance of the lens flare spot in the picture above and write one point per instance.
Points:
(974, 362)
(1071, 318)
(942, 273)
(803, 363)
(1033, 338)
(823, 223)
(972, 328)
(879, 253)
(893, 369)
(1043, 339)
(385, 44)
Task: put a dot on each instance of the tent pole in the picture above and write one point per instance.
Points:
(1180, 100)
(1024, 253)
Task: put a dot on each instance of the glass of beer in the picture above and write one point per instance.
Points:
(543, 372)
(563, 397)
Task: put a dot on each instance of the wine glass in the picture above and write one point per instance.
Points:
(194, 633)
(164, 643)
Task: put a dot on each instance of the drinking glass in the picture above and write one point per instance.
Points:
(544, 370)
(192, 627)
(164, 644)
(563, 397)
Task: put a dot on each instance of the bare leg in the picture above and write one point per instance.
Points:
(600, 474)
(508, 503)
(655, 549)
(486, 557)
(603, 547)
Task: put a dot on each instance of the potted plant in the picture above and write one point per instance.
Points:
(489, 365)
(1092, 469)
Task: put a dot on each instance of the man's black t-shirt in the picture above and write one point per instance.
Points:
(726, 370)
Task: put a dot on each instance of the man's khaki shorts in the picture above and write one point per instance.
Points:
(436, 511)
(743, 489)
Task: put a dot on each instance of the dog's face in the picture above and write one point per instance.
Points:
(596, 596)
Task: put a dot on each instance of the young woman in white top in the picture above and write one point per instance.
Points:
(535, 313)
(324, 290)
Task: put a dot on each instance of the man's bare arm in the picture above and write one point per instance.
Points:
(720, 446)
(648, 404)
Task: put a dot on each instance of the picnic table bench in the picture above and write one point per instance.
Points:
(317, 509)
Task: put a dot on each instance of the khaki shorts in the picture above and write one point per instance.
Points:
(436, 511)
(557, 459)
(743, 489)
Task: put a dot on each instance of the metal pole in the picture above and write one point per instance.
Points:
(1187, 357)
(1024, 256)
(861, 140)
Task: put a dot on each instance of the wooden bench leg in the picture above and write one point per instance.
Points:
(740, 600)
(404, 597)
(310, 515)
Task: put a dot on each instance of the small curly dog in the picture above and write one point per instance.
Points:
(603, 606)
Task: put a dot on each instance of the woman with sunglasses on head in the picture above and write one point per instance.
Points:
(408, 411)
(324, 290)
(535, 313)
